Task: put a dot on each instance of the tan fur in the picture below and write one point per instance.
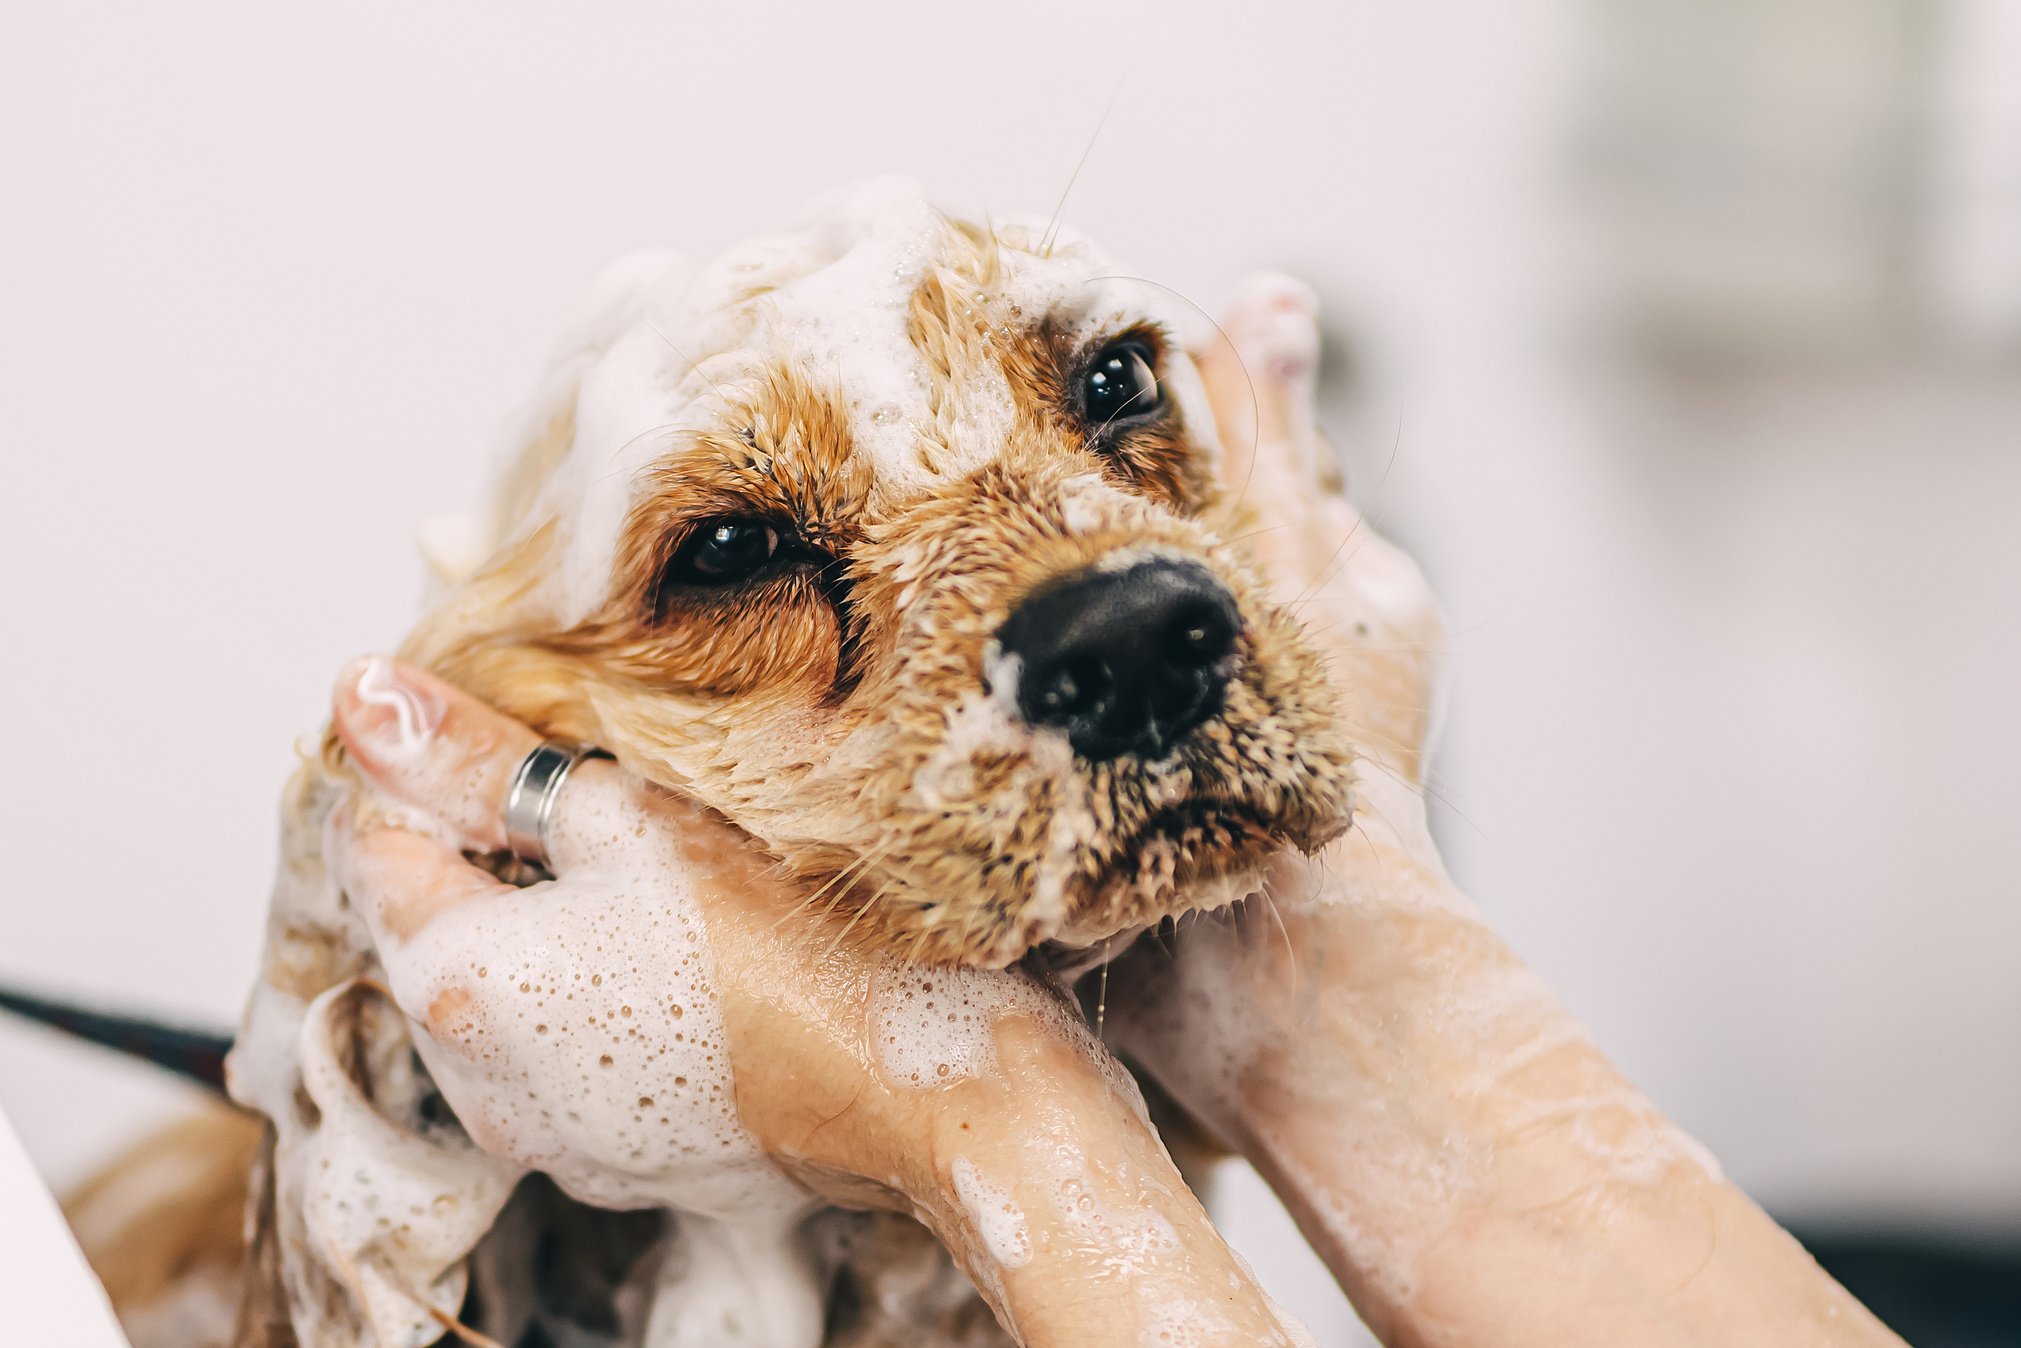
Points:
(829, 731)
(950, 324)
(165, 1221)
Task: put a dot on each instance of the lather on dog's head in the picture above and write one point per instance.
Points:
(899, 540)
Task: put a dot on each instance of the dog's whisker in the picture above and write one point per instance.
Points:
(1401, 836)
(849, 926)
(692, 364)
(1329, 570)
(1103, 429)
(916, 953)
(1236, 540)
(1427, 788)
(1374, 854)
(623, 451)
(1102, 1002)
(814, 897)
(1332, 626)
(1050, 237)
(1369, 519)
(836, 886)
(1290, 953)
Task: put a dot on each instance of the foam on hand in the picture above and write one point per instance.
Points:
(375, 1210)
(574, 1030)
(576, 1027)
(997, 1219)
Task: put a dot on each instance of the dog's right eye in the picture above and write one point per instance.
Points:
(1121, 386)
(723, 551)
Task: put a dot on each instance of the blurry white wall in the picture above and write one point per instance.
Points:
(1732, 736)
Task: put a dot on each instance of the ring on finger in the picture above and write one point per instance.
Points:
(530, 801)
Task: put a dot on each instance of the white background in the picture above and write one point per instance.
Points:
(1733, 728)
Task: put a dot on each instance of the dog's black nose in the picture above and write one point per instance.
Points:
(1126, 662)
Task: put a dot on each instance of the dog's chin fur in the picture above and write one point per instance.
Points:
(895, 388)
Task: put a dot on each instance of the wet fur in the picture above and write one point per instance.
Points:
(843, 713)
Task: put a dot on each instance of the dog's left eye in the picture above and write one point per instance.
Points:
(1120, 386)
(722, 551)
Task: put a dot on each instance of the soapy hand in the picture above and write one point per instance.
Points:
(669, 1023)
(1453, 1144)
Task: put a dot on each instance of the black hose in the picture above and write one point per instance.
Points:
(198, 1055)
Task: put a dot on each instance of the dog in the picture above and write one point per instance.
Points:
(897, 539)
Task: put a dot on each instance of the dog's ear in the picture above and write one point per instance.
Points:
(618, 298)
(495, 573)
(456, 545)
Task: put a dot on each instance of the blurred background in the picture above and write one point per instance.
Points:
(1681, 341)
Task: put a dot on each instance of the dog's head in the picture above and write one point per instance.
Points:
(899, 540)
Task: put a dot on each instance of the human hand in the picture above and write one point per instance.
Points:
(1454, 1145)
(669, 1022)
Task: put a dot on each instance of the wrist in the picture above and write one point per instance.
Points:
(1051, 1189)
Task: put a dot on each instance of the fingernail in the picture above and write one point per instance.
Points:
(395, 715)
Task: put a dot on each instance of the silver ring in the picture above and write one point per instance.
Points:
(529, 804)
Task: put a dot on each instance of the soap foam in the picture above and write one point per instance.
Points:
(397, 1210)
(832, 297)
(998, 1220)
(935, 1027)
(576, 1027)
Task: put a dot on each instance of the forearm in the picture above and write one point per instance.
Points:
(1553, 1205)
(1024, 1148)
(1088, 1232)
(1465, 1159)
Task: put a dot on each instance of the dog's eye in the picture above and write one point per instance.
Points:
(722, 551)
(1120, 386)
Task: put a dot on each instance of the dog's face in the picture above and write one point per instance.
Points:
(899, 541)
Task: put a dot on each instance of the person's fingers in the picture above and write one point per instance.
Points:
(1234, 399)
(1260, 374)
(401, 880)
(433, 747)
(430, 746)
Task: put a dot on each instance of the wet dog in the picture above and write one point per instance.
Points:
(898, 539)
